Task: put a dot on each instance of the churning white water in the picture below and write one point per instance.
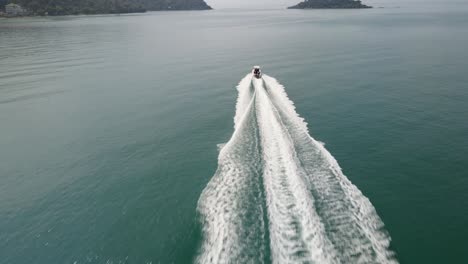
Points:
(278, 196)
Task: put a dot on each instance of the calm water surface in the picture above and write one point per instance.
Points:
(109, 125)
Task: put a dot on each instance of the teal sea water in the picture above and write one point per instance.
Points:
(110, 130)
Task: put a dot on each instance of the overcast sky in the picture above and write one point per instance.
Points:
(218, 4)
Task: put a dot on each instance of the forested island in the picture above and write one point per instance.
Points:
(324, 4)
(75, 7)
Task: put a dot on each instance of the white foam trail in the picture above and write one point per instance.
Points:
(279, 196)
(352, 222)
(231, 206)
(296, 233)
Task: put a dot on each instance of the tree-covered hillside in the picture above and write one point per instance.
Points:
(69, 7)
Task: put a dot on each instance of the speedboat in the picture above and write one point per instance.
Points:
(257, 72)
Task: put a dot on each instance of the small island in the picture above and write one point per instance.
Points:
(329, 4)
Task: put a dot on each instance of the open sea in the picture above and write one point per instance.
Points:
(123, 138)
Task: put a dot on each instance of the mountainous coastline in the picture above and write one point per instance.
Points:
(75, 7)
(329, 4)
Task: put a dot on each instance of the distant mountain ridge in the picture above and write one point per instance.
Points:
(74, 7)
(329, 4)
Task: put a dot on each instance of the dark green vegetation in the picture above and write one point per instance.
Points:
(319, 4)
(74, 7)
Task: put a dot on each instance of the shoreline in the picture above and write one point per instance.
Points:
(100, 14)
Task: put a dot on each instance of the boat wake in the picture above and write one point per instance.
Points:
(278, 196)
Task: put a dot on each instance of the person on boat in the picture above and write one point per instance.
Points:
(257, 72)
